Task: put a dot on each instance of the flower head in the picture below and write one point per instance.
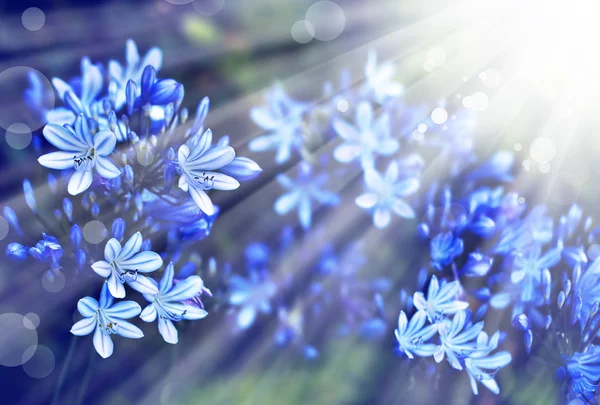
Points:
(169, 304)
(385, 194)
(367, 138)
(412, 336)
(441, 299)
(124, 265)
(198, 167)
(106, 319)
(82, 151)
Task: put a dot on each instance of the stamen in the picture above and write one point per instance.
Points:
(206, 182)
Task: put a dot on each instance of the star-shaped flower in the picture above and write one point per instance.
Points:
(124, 265)
(106, 319)
(367, 138)
(170, 305)
(82, 151)
(302, 192)
(385, 194)
(198, 175)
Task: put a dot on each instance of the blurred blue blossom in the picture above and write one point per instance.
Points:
(303, 192)
(385, 194)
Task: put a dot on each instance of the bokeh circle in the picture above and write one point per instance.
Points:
(33, 19)
(17, 335)
(18, 136)
(328, 20)
(41, 362)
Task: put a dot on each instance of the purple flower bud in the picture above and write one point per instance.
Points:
(118, 228)
(521, 321)
(29, 197)
(16, 251)
(68, 209)
(76, 236)
(11, 217)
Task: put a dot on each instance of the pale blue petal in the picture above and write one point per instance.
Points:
(82, 129)
(262, 117)
(202, 200)
(283, 153)
(364, 116)
(214, 159)
(246, 317)
(129, 330)
(149, 313)
(84, 326)
(80, 181)
(382, 218)
(124, 310)
(167, 279)
(87, 306)
(132, 246)
(263, 143)
(105, 142)
(57, 160)
(103, 344)
(144, 285)
(168, 330)
(111, 250)
(402, 209)
(345, 130)
(116, 288)
(184, 290)
(305, 212)
(63, 138)
(366, 200)
(193, 313)
(346, 152)
(106, 168)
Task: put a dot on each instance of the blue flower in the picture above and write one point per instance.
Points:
(198, 173)
(106, 319)
(457, 339)
(133, 69)
(444, 248)
(302, 192)
(82, 151)
(528, 267)
(441, 299)
(170, 305)
(412, 336)
(367, 138)
(380, 84)
(385, 194)
(123, 265)
(282, 119)
(252, 296)
(479, 361)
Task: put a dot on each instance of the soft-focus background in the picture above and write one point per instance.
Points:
(232, 51)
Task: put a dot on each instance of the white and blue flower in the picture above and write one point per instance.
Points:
(106, 319)
(124, 265)
(385, 193)
(302, 192)
(198, 167)
(82, 151)
(170, 305)
(367, 138)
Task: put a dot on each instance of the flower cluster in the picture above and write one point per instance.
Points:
(120, 138)
(432, 332)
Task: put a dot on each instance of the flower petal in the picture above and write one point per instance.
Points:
(84, 326)
(132, 246)
(213, 159)
(382, 218)
(143, 262)
(111, 250)
(344, 129)
(102, 268)
(144, 285)
(262, 117)
(57, 160)
(87, 306)
(129, 330)
(366, 200)
(202, 200)
(193, 313)
(124, 310)
(168, 331)
(184, 290)
(403, 209)
(103, 344)
(286, 202)
(105, 142)
(149, 313)
(63, 138)
(116, 288)
(106, 168)
(80, 181)
(346, 152)
(166, 282)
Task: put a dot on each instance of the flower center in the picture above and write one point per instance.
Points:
(105, 324)
(86, 161)
(164, 313)
(204, 181)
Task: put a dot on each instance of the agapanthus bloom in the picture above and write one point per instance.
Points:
(367, 138)
(385, 195)
(80, 150)
(126, 265)
(302, 192)
(441, 299)
(198, 167)
(105, 319)
(169, 304)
